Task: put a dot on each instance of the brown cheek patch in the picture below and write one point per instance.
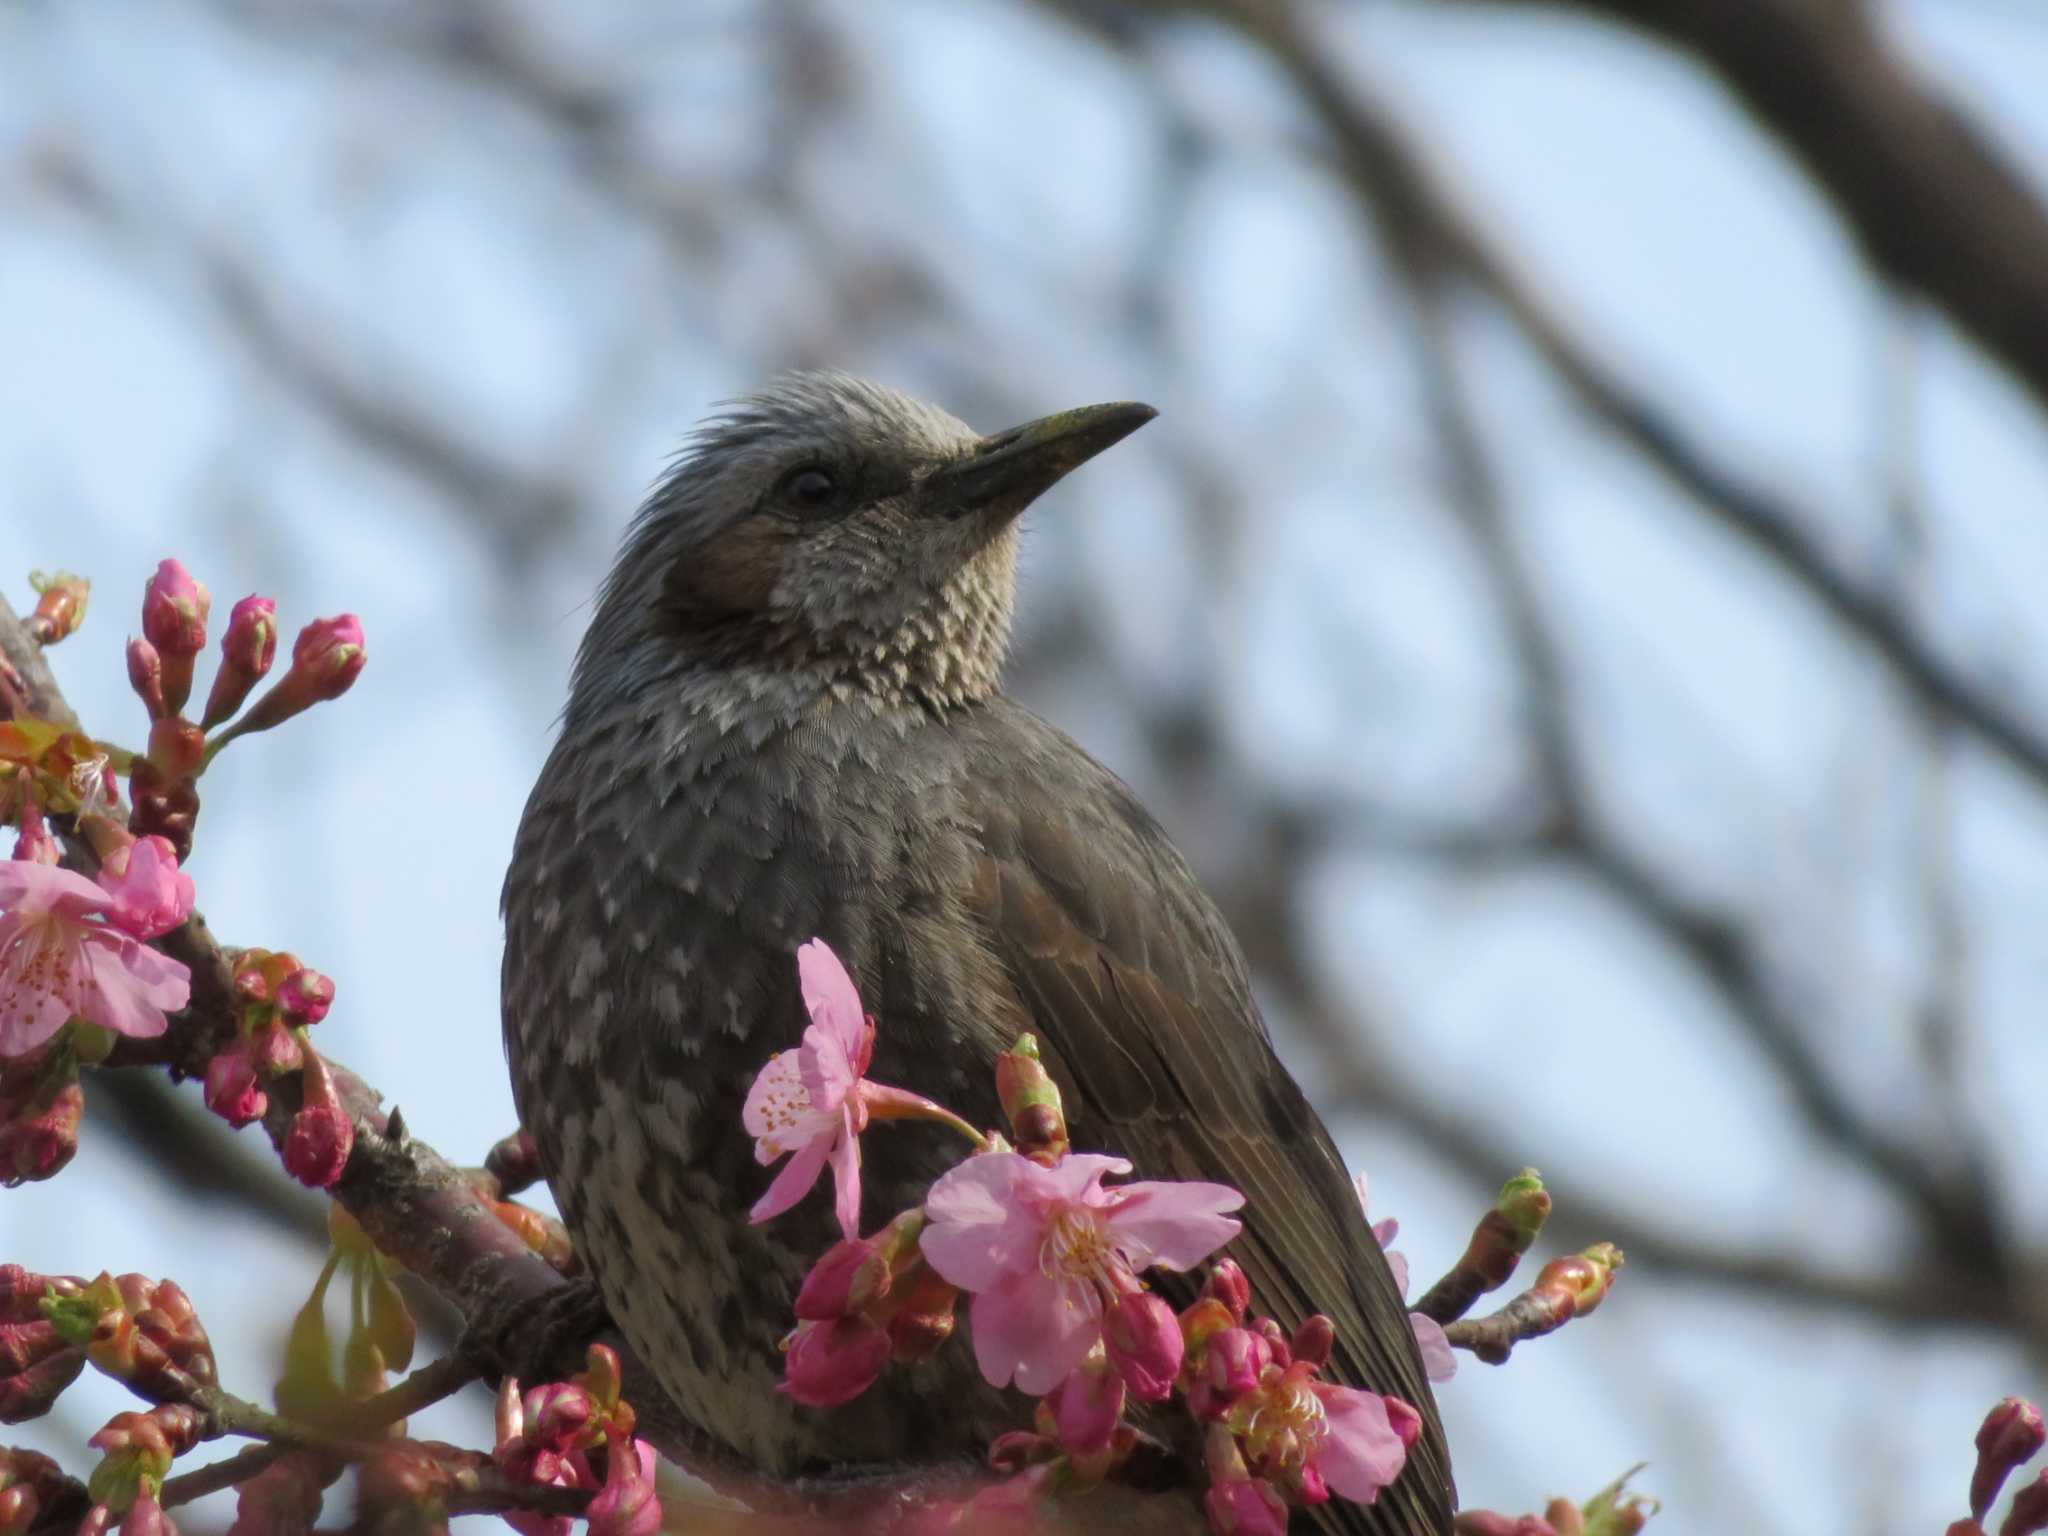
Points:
(734, 573)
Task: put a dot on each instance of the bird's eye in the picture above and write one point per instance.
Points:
(810, 490)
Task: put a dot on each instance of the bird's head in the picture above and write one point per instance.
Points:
(834, 525)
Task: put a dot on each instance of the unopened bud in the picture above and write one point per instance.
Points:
(245, 656)
(921, 1325)
(1031, 1100)
(41, 1106)
(146, 677)
(174, 609)
(1314, 1340)
(306, 994)
(1086, 1407)
(1233, 1363)
(2009, 1438)
(1143, 1338)
(1227, 1284)
(2029, 1511)
(845, 1279)
(326, 660)
(233, 1090)
(317, 1147)
(1245, 1506)
(832, 1363)
(60, 606)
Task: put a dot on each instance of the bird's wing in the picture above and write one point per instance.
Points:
(1141, 1001)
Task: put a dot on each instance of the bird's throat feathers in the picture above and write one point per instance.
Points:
(938, 649)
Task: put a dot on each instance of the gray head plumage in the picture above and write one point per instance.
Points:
(837, 528)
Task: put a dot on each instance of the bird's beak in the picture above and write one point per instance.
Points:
(1005, 472)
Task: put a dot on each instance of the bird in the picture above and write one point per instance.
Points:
(786, 721)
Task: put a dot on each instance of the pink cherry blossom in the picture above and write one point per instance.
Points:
(1439, 1361)
(61, 957)
(814, 1102)
(1045, 1251)
(1319, 1437)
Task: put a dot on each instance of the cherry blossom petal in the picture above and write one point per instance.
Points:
(982, 1225)
(778, 1113)
(829, 1075)
(796, 1178)
(846, 1175)
(1033, 1330)
(830, 998)
(28, 889)
(1397, 1261)
(30, 1010)
(1175, 1226)
(125, 993)
(1439, 1360)
(1077, 1177)
(1361, 1453)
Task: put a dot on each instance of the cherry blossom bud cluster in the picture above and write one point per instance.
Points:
(36, 1361)
(143, 1333)
(1613, 1511)
(60, 606)
(279, 998)
(137, 1450)
(326, 659)
(41, 1105)
(145, 1517)
(30, 1483)
(868, 1301)
(546, 1437)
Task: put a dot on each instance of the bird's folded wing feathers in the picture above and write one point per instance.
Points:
(1143, 1007)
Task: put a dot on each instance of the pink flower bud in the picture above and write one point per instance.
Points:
(2029, 1511)
(329, 652)
(557, 1414)
(1278, 1343)
(317, 1148)
(626, 1505)
(1234, 1360)
(272, 1050)
(150, 894)
(850, 1274)
(833, 1363)
(306, 995)
(30, 1483)
(1143, 1339)
(1087, 1407)
(146, 677)
(326, 659)
(246, 652)
(174, 609)
(1227, 1284)
(1314, 1340)
(1245, 1506)
(39, 1127)
(2010, 1437)
(233, 1091)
